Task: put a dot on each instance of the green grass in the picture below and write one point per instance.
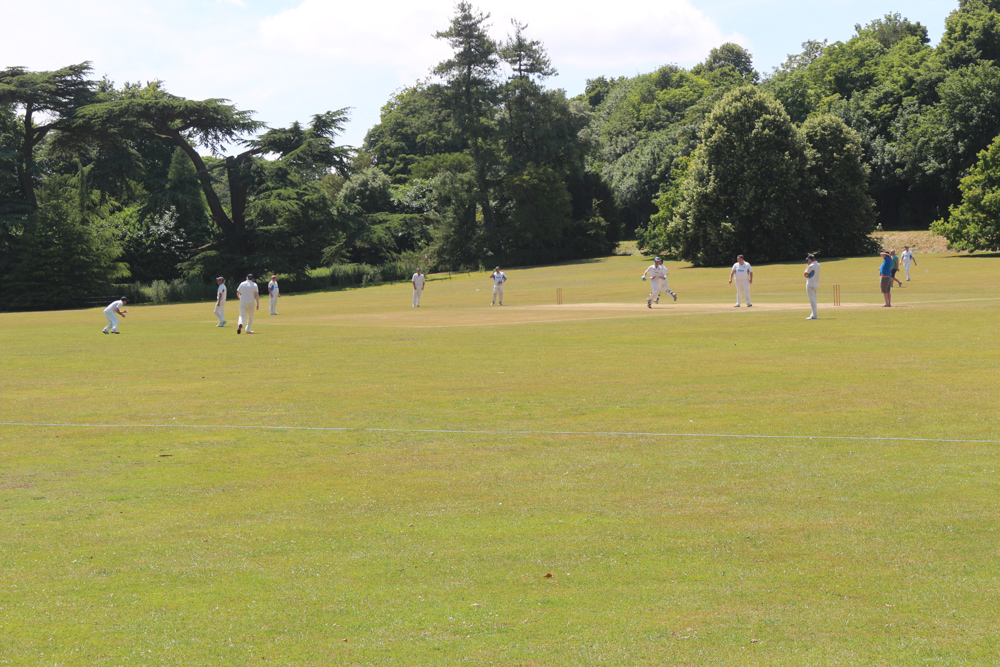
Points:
(815, 544)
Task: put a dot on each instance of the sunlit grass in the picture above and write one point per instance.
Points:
(789, 544)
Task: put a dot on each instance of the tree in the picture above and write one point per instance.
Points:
(540, 212)
(971, 34)
(522, 130)
(837, 207)
(470, 77)
(47, 101)
(415, 123)
(792, 84)
(732, 56)
(369, 189)
(63, 254)
(892, 28)
(743, 190)
(301, 156)
(975, 223)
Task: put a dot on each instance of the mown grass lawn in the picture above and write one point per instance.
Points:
(365, 483)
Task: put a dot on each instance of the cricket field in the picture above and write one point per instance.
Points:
(593, 483)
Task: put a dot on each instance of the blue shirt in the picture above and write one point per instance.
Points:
(886, 268)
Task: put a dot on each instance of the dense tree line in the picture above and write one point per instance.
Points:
(481, 164)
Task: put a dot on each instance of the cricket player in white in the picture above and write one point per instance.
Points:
(112, 312)
(658, 282)
(249, 295)
(743, 273)
(812, 283)
(907, 257)
(272, 289)
(418, 281)
(499, 278)
(220, 301)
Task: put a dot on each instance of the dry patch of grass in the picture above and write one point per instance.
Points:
(920, 241)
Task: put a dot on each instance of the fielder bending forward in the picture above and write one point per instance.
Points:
(499, 278)
(112, 312)
(658, 282)
(249, 295)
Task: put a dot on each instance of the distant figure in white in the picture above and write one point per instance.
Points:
(418, 281)
(272, 289)
(249, 295)
(499, 278)
(658, 282)
(907, 258)
(220, 301)
(743, 274)
(812, 282)
(112, 312)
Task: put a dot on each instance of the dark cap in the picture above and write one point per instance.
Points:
(125, 299)
(810, 256)
(249, 276)
(221, 278)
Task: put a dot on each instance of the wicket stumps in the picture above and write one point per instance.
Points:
(836, 295)
(559, 296)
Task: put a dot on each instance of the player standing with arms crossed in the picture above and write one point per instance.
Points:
(744, 278)
(499, 278)
(812, 283)
(220, 301)
(272, 289)
(249, 295)
(112, 312)
(657, 281)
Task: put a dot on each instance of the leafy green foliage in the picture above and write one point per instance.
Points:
(837, 205)
(64, 255)
(369, 190)
(743, 189)
(975, 223)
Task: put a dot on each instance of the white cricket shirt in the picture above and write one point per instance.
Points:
(247, 291)
(498, 277)
(742, 271)
(418, 280)
(272, 287)
(813, 279)
(656, 272)
(221, 293)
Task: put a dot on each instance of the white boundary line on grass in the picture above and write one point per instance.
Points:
(483, 432)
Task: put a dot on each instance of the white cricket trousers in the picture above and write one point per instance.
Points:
(416, 296)
(742, 291)
(112, 320)
(811, 290)
(220, 312)
(906, 267)
(497, 291)
(246, 315)
(657, 285)
(274, 304)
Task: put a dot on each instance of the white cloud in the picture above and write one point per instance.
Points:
(635, 33)
(289, 61)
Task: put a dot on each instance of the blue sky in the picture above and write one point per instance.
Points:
(289, 59)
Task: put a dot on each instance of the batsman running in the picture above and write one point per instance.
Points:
(658, 282)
